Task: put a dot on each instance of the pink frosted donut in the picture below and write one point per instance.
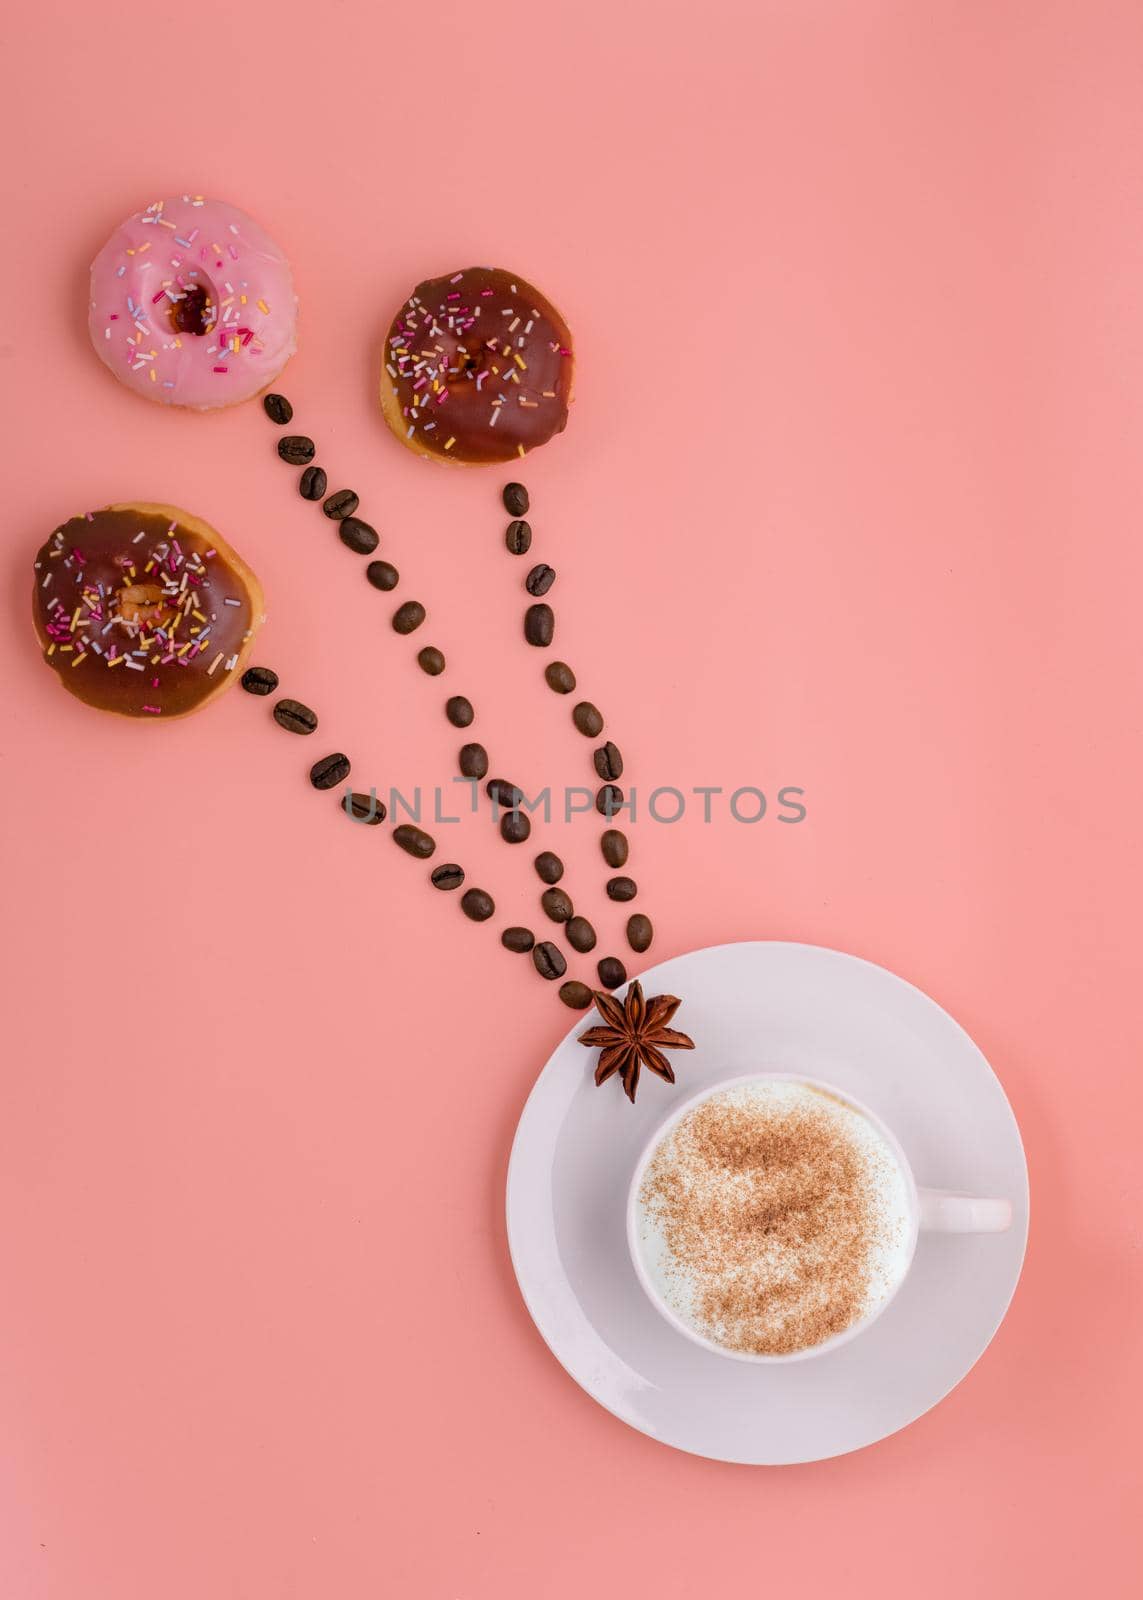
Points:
(192, 304)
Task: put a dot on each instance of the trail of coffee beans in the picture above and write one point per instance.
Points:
(539, 630)
(515, 826)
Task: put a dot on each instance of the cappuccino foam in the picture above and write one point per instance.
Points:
(774, 1216)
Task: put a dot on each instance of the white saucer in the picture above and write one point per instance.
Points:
(791, 1008)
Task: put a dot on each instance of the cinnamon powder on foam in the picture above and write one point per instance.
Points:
(773, 1216)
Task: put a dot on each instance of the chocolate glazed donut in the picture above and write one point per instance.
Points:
(478, 368)
(144, 610)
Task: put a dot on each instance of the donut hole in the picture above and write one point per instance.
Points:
(195, 312)
(141, 603)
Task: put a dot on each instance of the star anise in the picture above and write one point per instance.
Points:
(634, 1035)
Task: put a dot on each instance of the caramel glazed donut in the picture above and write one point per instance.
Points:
(478, 368)
(144, 610)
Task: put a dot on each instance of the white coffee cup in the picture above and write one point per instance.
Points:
(929, 1210)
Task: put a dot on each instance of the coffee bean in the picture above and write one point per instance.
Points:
(516, 500)
(519, 940)
(557, 905)
(311, 484)
(560, 677)
(473, 761)
(358, 536)
(259, 680)
(609, 799)
(540, 580)
(191, 313)
(364, 808)
(548, 961)
(415, 840)
(575, 994)
(294, 716)
(614, 847)
(431, 660)
(639, 932)
(539, 625)
(588, 719)
(342, 503)
(505, 794)
(549, 866)
(330, 772)
(515, 827)
(612, 972)
(477, 904)
(278, 409)
(459, 711)
(382, 574)
(580, 934)
(408, 617)
(622, 888)
(608, 761)
(447, 876)
(518, 538)
(297, 449)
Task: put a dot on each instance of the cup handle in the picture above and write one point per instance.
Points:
(942, 1212)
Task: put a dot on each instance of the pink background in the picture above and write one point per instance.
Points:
(849, 500)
